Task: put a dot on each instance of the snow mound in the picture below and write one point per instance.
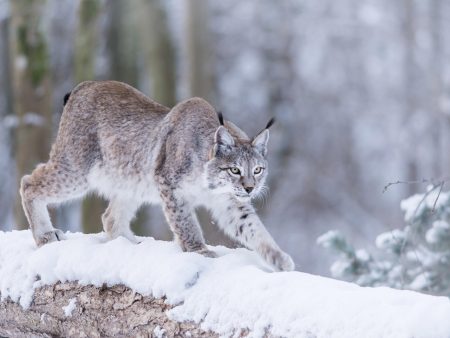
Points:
(225, 294)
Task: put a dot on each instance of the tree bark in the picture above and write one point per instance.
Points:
(115, 311)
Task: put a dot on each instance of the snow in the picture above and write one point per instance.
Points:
(68, 309)
(414, 205)
(388, 240)
(234, 291)
(159, 332)
(327, 239)
(439, 230)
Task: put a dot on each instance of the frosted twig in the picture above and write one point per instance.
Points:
(423, 180)
(439, 194)
(433, 188)
(435, 184)
(433, 181)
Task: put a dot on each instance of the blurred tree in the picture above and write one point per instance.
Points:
(32, 96)
(85, 51)
(199, 65)
(159, 53)
(198, 77)
(441, 126)
(121, 52)
(62, 24)
(7, 188)
(409, 27)
(122, 44)
(157, 79)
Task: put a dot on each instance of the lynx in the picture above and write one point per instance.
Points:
(115, 141)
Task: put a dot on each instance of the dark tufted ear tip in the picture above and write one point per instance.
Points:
(66, 98)
(220, 116)
(270, 123)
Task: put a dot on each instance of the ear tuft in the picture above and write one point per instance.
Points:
(270, 123)
(220, 116)
(66, 98)
(260, 142)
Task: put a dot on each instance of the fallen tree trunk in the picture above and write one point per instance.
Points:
(73, 310)
(156, 290)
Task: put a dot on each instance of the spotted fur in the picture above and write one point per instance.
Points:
(115, 141)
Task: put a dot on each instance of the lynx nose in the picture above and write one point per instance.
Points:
(248, 189)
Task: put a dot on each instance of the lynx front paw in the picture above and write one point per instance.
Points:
(206, 252)
(50, 236)
(280, 260)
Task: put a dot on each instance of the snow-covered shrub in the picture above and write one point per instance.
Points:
(416, 257)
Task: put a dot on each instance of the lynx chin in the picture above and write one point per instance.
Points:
(114, 140)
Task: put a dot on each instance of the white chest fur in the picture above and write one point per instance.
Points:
(112, 183)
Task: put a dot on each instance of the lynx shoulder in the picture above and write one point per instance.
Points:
(117, 142)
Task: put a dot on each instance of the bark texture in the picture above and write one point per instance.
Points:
(115, 311)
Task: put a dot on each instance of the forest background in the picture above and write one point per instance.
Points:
(359, 88)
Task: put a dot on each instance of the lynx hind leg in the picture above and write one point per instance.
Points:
(117, 217)
(48, 184)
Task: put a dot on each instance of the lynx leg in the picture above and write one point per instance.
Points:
(183, 223)
(48, 184)
(117, 217)
(239, 221)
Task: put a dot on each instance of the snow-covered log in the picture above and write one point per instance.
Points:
(74, 310)
(87, 286)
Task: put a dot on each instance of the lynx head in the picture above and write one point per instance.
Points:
(238, 164)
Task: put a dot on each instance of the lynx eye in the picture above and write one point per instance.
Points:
(234, 171)
(258, 170)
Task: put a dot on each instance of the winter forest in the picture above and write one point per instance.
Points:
(360, 91)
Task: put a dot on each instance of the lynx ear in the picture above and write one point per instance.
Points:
(260, 142)
(223, 137)
(223, 141)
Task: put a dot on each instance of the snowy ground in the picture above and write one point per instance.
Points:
(236, 290)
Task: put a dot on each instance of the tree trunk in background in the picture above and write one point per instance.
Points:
(158, 81)
(113, 311)
(199, 71)
(410, 78)
(159, 52)
(7, 175)
(62, 17)
(122, 51)
(198, 74)
(85, 51)
(31, 91)
(441, 124)
(122, 42)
